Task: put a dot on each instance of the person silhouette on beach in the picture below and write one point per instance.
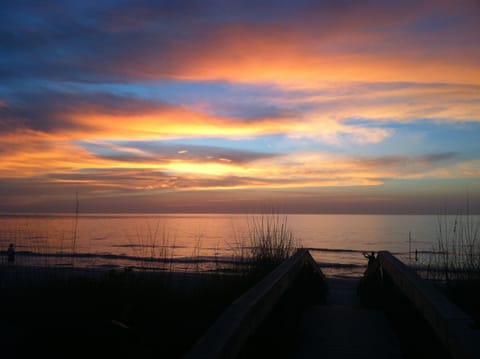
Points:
(11, 253)
(370, 257)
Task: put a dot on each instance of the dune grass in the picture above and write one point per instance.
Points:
(267, 243)
(130, 313)
(122, 314)
(456, 254)
(454, 261)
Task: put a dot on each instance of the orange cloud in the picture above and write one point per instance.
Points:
(307, 55)
(31, 153)
(93, 123)
(38, 155)
(388, 102)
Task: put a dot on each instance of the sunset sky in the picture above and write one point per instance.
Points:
(213, 106)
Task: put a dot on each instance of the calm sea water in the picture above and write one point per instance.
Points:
(336, 241)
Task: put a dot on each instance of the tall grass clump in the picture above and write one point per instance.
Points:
(455, 261)
(457, 250)
(269, 242)
(155, 249)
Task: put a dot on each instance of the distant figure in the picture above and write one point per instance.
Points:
(11, 253)
(370, 257)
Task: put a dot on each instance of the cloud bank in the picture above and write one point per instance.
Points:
(154, 99)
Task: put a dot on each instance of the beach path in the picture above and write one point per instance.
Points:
(344, 329)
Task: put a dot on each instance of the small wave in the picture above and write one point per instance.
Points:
(359, 251)
(336, 250)
(340, 265)
(34, 237)
(124, 257)
(146, 246)
(101, 258)
(101, 238)
(179, 260)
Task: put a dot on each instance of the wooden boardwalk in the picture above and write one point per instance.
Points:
(428, 324)
(344, 329)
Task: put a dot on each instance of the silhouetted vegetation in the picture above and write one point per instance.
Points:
(71, 312)
(454, 263)
(268, 243)
(457, 251)
(122, 314)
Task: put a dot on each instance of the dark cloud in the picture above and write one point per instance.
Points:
(409, 164)
(104, 41)
(119, 181)
(71, 41)
(252, 112)
(157, 149)
(438, 157)
(50, 110)
(415, 198)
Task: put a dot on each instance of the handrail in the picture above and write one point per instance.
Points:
(229, 333)
(452, 326)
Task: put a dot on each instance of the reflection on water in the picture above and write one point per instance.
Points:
(337, 241)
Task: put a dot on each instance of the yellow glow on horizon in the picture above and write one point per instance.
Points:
(207, 169)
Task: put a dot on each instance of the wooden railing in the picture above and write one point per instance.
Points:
(230, 332)
(452, 326)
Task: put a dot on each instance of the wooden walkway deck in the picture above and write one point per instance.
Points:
(428, 324)
(344, 329)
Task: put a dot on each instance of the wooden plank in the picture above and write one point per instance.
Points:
(230, 332)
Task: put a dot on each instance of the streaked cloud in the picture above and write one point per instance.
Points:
(144, 99)
(294, 43)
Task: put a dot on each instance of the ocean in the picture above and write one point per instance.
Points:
(191, 241)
